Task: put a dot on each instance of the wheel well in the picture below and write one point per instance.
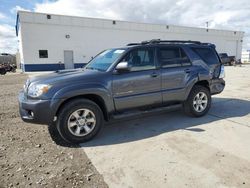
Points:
(94, 98)
(203, 83)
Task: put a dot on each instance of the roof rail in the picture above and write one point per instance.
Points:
(158, 41)
(181, 41)
(132, 44)
(153, 41)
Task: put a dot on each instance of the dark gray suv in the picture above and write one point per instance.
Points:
(120, 82)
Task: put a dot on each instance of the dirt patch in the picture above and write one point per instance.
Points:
(29, 156)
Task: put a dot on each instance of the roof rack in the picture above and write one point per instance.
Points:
(158, 41)
(132, 44)
(153, 41)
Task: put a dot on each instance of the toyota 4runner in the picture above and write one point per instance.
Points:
(119, 82)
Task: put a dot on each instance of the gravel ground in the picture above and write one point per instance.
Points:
(29, 157)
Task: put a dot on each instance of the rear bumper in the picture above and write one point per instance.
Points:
(217, 86)
(35, 111)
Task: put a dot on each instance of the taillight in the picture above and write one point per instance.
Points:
(222, 72)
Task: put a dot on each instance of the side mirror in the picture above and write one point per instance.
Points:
(122, 67)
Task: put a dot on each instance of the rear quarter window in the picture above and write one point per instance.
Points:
(208, 55)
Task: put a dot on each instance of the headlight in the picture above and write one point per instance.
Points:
(26, 85)
(36, 90)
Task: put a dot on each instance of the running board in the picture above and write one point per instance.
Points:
(143, 112)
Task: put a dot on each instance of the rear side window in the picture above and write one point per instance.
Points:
(172, 57)
(208, 55)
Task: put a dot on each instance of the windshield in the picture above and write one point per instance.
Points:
(105, 59)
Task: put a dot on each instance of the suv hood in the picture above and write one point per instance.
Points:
(64, 76)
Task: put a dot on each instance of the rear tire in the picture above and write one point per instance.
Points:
(79, 121)
(198, 102)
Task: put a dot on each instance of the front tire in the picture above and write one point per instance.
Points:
(79, 121)
(198, 102)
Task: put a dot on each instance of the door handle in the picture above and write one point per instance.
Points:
(187, 70)
(154, 74)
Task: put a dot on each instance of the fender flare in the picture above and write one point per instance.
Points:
(75, 90)
(192, 81)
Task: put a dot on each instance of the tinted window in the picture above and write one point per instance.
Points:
(184, 58)
(208, 55)
(43, 53)
(140, 59)
(172, 57)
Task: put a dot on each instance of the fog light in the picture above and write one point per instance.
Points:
(31, 113)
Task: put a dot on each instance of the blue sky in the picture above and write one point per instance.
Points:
(223, 14)
(8, 8)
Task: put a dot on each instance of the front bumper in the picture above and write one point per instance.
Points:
(35, 111)
(217, 86)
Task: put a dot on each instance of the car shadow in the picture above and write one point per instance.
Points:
(154, 124)
(134, 129)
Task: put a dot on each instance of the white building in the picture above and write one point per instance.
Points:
(245, 56)
(51, 42)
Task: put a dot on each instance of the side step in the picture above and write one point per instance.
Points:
(143, 112)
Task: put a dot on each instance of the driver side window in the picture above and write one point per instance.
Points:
(140, 59)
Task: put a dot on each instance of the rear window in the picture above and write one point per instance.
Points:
(208, 55)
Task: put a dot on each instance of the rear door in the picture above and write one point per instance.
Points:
(175, 70)
(141, 86)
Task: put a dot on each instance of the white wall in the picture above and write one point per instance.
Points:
(245, 56)
(90, 36)
(20, 44)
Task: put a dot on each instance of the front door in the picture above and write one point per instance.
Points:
(68, 59)
(141, 86)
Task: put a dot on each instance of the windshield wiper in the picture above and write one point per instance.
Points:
(93, 68)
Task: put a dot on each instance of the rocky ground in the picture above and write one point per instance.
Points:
(29, 157)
